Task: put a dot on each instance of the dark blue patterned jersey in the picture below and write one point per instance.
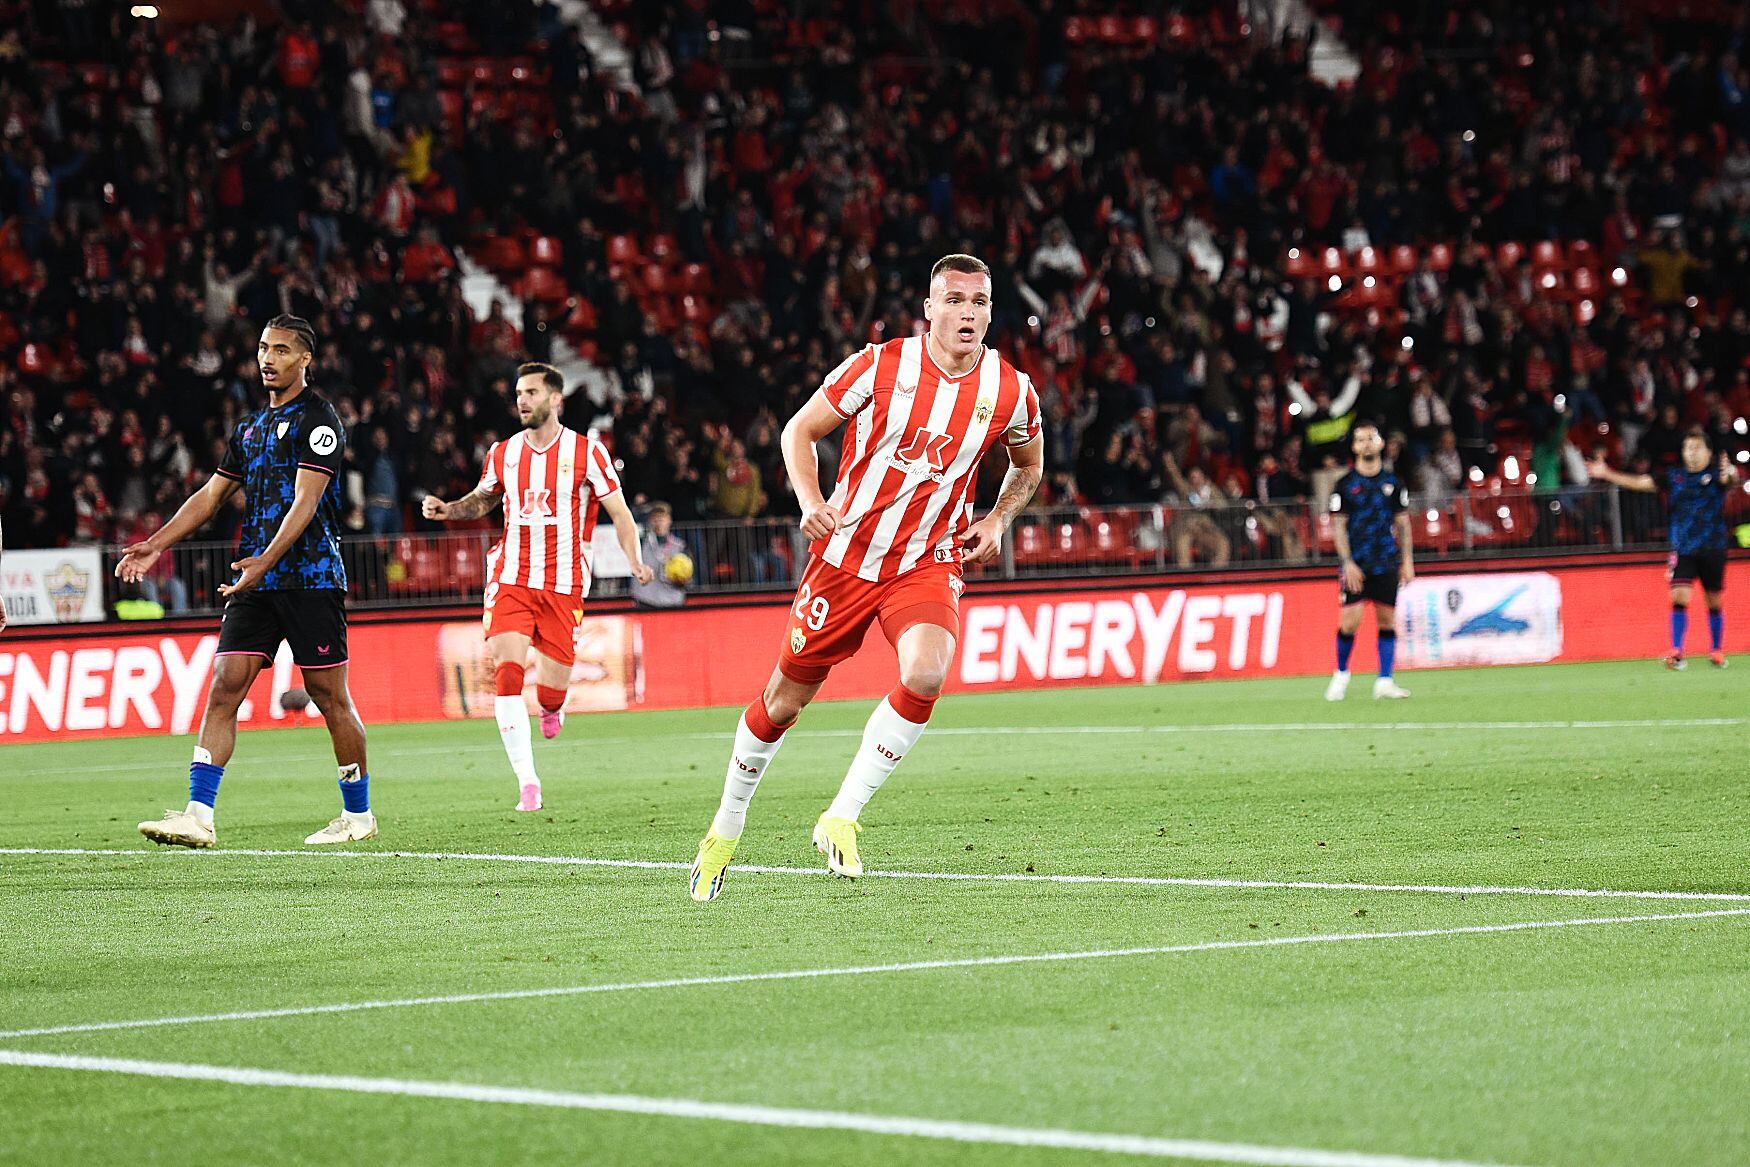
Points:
(267, 449)
(1371, 502)
(1697, 500)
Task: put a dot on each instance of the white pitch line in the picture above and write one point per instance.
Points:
(1200, 1150)
(865, 970)
(947, 876)
(1030, 730)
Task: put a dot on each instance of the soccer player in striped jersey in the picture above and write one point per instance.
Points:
(552, 480)
(888, 545)
(1696, 496)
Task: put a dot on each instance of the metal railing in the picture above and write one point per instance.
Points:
(448, 567)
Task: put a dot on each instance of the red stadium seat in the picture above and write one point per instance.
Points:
(503, 254)
(1368, 260)
(546, 251)
(622, 249)
(1333, 262)
(695, 310)
(1585, 311)
(451, 73)
(1113, 30)
(662, 248)
(696, 278)
(581, 318)
(35, 359)
(1076, 30)
(1403, 259)
(655, 280)
(543, 284)
(1299, 264)
(1582, 254)
(1548, 254)
(1509, 254)
(1440, 256)
(1144, 30)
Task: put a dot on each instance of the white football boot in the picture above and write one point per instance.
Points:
(1338, 688)
(179, 828)
(1386, 689)
(345, 829)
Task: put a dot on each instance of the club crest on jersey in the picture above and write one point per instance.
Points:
(284, 426)
(987, 405)
(798, 642)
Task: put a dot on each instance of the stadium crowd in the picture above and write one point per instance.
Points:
(1156, 194)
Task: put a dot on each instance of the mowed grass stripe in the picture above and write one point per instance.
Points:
(867, 970)
(990, 1134)
(947, 876)
(492, 746)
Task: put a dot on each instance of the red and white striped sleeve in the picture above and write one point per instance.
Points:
(492, 474)
(599, 470)
(851, 386)
(1027, 421)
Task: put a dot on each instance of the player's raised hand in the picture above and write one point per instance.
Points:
(983, 541)
(821, 521)
(136, 561)
(250, 568)
(434, 508)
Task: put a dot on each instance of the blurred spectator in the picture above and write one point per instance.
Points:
(660, 546)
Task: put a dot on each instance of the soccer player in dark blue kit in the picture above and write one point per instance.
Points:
(1695, 495)
(291, 583)
(1370, 523)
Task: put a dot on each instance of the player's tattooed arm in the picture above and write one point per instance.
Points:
(1018, 488)
(472, 505)
(982, 541)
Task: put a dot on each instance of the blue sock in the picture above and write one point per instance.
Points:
(1716, 628)
(203, 781)
(355, 790)
(1388, 652)
(1345, 646)
(1679, 626)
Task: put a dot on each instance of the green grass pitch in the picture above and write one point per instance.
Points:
(1606, 1043)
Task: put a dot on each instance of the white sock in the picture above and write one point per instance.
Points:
(886, 739)
(202, 813)
(513, 727)
(749, 761)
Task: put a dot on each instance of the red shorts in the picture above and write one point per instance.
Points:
(548, 619)
(834, 608)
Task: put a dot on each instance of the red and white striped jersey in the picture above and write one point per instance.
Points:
(551, 497)
(911, 453)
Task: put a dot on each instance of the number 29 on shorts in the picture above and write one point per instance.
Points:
(810, 608)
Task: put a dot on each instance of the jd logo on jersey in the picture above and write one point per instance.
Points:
(926, 451)
(323, 439)
(537, 503)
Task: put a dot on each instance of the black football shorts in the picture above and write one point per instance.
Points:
(311, 620)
